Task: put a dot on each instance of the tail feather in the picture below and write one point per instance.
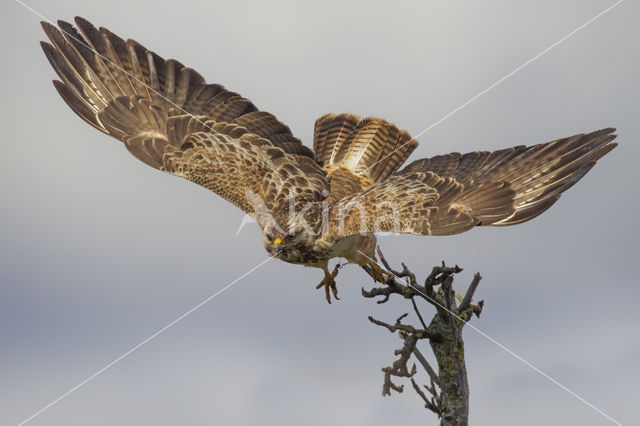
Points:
(370, 146)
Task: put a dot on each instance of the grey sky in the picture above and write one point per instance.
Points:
(98, 251)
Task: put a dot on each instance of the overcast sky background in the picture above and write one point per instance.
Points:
(98, 251)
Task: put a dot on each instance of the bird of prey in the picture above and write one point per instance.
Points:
(312, 205)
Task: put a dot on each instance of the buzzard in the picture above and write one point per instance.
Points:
(312, 205)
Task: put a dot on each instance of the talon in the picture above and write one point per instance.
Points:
(334, 290)
(377, 272)
(329, 283)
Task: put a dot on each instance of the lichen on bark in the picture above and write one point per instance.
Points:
(448, 389)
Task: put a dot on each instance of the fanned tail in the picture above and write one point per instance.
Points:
(370, 147)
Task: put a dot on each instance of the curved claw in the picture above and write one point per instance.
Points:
(377, 272)
(329, 283)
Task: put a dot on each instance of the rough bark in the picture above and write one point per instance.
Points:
(452, 372)
(448, 389)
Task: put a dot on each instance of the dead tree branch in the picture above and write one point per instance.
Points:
(448, 389)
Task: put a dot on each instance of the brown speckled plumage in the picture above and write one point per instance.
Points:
(320, 204)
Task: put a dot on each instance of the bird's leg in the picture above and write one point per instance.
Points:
(367, 260)
(376, 271)
(329, 282)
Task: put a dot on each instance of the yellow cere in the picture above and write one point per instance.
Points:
(277, 241)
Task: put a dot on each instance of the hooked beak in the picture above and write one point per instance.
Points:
(277, 243)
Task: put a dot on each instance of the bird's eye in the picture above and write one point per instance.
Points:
(269, 237)
(290, 236)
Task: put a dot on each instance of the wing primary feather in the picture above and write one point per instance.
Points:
(536, 174)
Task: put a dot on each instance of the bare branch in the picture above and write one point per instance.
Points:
(466, 301)
(415, 308)
(428, 404)
(444, 332)
(423, 361)
(410, 330)
(446, 287)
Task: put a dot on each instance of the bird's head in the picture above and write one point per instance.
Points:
(289, 245)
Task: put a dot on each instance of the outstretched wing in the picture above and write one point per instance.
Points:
(240, 166)
(452, 193)
(170, 118)
(537, 174)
